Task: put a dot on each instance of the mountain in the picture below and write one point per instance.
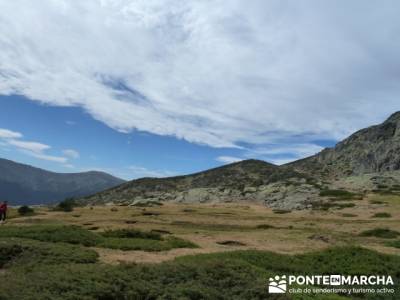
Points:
(374, 150)
(23, 184)
(371, 150)
(248, 180)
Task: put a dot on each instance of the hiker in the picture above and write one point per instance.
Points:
(3, 211)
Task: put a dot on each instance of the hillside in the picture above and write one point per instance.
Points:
(297, 185)
(23, 184)
(248, 180)
(374, 149)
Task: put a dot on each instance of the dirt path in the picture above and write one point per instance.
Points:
(110, 256)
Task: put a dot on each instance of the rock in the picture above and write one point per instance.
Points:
(318, 237)
(231, 243)
(250, 189)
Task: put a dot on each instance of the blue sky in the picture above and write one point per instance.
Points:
(97, 146)
(159, 88)
(77, 142)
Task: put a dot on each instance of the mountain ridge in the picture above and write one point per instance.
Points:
(374, 149)
(26, 184)
(369, 150)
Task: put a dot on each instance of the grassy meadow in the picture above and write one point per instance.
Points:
(194, 251)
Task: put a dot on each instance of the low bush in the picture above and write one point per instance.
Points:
(25, 210)
(124, 239)
(145, 244)
(23, 252)
(281, 211)
(52, 233)
(265, 226)
(346, 215)
(131, 233)
(67, 205)
(377, 202)
(340, 194)
(382, 215)
(326, 205)
(384, 233)
(395, 244)
(227, 275)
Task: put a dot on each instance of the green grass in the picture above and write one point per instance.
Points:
(346, 215)
(124, 239)
(23, 252)
(52, 233)
(383, 233)
(265, 226)
(395, 244)
(281, 211)
(340, 194)
(143, 244)
(53, 269)
(382, 215)
(322, 205)
(26, 211)
(229, 275)
(131, 233)
(377, 202)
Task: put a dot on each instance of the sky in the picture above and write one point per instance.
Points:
(161, 88)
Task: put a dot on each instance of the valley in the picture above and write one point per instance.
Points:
(227, 227)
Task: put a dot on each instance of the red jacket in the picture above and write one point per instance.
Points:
(3, 207)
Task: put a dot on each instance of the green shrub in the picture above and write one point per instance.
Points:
(384, 233)
(227, 275)
(145, 244)
(131, 233)
(25, 210)
(340, 194)
(52, 233)
(395, 244)
(281, 211)
(323, 205)
(124, 239)
(265, 226)
(382, 215)
(377, 202)
(67, 205)
(23, 252)
(346, 215)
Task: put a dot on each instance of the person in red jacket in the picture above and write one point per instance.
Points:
(3, 211)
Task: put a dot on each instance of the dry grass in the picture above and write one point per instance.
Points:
(206, 225)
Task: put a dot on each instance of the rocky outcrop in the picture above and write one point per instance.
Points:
(371, 150)
(374, 150)
(291, 194)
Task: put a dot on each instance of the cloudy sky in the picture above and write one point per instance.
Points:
(158, 87)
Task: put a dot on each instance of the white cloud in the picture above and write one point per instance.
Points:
(71, 153)
(283, 153)
(34, 149)
(228, 159)
(280, 161)
(58, 159)
(211, 72)
(138, 172)
(9, 134)
(29, 146)
(295, 150)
